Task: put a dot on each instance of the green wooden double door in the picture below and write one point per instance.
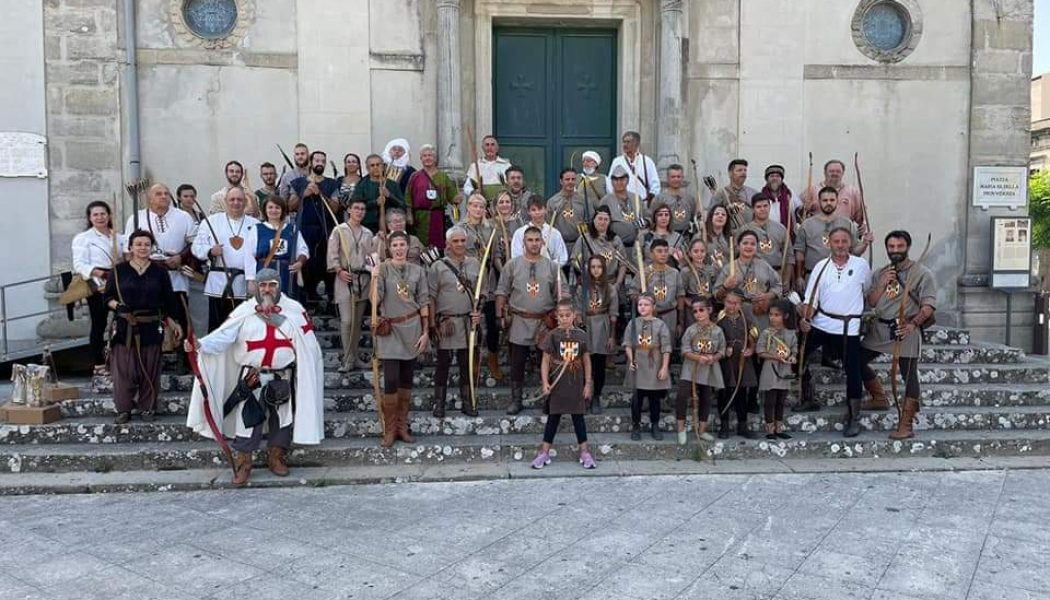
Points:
(554, 97)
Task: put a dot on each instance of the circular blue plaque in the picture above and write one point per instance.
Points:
(885, 26)
(210, 19)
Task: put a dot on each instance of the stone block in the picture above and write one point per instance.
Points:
(76, 183)
(1000, 118)
(90, 47)
(110, 4)
(1006, 90)
(1007, 62)
(83, 72)
(79, 22)
(92, 101)
(52, 48)
(110, 73)
(80, 127)
(1017, 10)
(1003, 34)
(92, 155)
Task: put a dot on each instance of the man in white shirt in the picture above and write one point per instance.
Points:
(493, 170)
(221, 239)
(832, 312)
(553, 243)
(644, 178)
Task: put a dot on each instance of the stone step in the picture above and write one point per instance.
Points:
(169, 428)
(518, 448)
(497, 398)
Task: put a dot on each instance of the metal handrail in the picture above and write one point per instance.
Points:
(5, 319)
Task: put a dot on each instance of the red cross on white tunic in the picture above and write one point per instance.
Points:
(269, 344)
(309, 324)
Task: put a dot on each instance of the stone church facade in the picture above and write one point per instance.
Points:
(923, 90)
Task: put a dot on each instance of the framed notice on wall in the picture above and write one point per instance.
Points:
(1000, 187)
(1011, 252)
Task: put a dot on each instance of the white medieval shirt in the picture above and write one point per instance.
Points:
(639, 172)
(247, 339)
(228, 230)
(493, 172)
(173, 231)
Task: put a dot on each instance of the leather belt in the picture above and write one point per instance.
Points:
(528, 315)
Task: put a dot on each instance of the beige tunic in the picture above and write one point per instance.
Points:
(703, 340)
(415, 250)
(452, 301)
(667, 287)
(567, 215)
(601, 305)
(624, 212)
(347, 249)
(683, 207)
(812, 238)
(595, 187)
(881, 336)
(753, 278)
(783, 343)
(771, 239)
(402, 291)
(650, 339)
(530, 287)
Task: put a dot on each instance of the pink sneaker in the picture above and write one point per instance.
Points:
(587, 461)
(542, 460)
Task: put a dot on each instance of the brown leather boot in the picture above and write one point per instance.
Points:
(389, 410)
(242, 468)
(275, 461)
(497, 374)
(904, 427)
(404, 399)
(878, 399)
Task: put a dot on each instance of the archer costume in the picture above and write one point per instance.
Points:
(566, 350)
(707, 340)
(315, 224)
(566, 213)
(452, 290)
(754, 277)
(664, 283)
(348, 247)
(226, 284)
(682, 205)
(600, 306)
(651, 339)
(427, 196)
(277, 255)
(775, 380)
(738, 372)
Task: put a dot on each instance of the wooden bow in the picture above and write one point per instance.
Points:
(863, 203)
(472, 337)
(895, 364)
(377, 389)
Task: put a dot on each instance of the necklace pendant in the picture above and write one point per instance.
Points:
(236, 241)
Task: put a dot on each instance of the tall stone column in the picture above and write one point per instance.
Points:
(669, 111)
(450, 114)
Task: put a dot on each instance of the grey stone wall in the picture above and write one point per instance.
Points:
(83, 113)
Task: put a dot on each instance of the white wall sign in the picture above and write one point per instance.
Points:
(1011, 252)
(1000, 187)
(23, 154)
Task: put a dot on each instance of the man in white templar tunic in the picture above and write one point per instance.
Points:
(267, 339)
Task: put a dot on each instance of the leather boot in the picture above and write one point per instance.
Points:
(389, 409)
(494, 369)
(404, 400)
(275, 461)
(878, 399)
(515, 400)
(596, 405)
(852, 428)
(440, 396)
(467, 407)
(904, 427)
(242, 468)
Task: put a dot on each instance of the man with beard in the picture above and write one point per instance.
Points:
(529, 287)
(263, 374)
(268, 176)
(519, 194)
(221, 240)
(812, 241)
(850, 205)
(452, 280)
(596, 184)
(782, 199)
(312, 198)
(736, 196)
(567, 208)
(644, 178)
(234, 179)
(301, 158)
(396, 156)
(373, 187)
(682, 202)
(831, 317)
(889, 336)
(493, 170)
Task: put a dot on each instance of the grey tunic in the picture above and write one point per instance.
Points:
(683, 207)
(718, 250)
(566, 346)
(477, 237)
(699, 283)
(402, 291)
(624, 212)
(650, 339)
(706, 340)
(812, 238)
(567, 214)
(347, 249)
(595, 187)
(530, 287)
(735, 335)
(610, 249)
(601, 305)
(502, 242)
(415, 250)
(880, 336)
(453, 302)
(753, 278)
(521, 203)
(771, 239)
(784, 344)
(667, 286)
(737, 202)
(675, 241)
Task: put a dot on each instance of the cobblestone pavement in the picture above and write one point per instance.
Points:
(879, 536)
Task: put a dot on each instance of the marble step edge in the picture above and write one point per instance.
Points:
(516, 448)
(103, 432)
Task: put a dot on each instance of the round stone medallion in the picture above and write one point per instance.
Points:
(210, 19)
(887, 30)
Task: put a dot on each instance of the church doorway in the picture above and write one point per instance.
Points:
(554, 96)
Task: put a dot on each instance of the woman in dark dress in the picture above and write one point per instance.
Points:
(140, 294)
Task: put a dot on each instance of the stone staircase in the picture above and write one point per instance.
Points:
(979, 400)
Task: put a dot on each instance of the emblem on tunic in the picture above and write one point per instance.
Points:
(645, 341)
(459, 286)
(533, 288)
(703, 287)
(569, 350)
(703, 346)
(782, 353)
(567, 212)
(766, 246)
(824, 239)
(718, 257)
(751, 284)
(628, 215)
(608, 254)
(402, 290)
(679, 215)
(893, 290)
(660, 292)
(595, 304)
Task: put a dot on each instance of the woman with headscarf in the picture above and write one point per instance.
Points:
(396, 157)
